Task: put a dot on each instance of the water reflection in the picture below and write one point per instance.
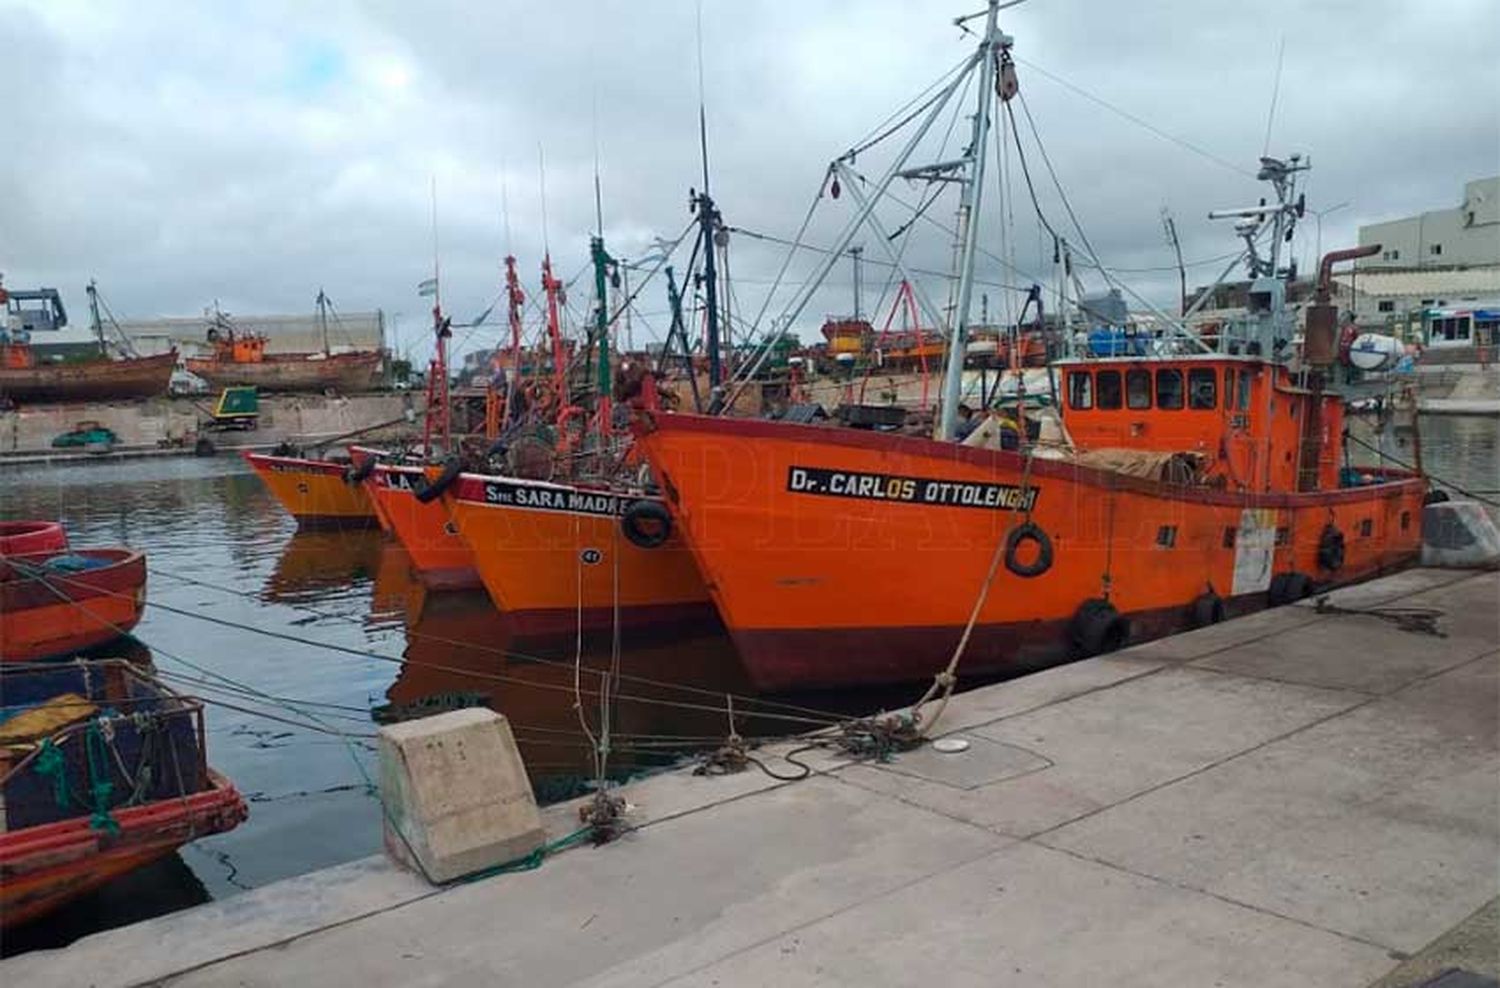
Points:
(323, 565)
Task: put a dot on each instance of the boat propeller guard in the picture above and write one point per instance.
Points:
(1028, 532)
(1331, 548)
(646, 523)
(427, 489)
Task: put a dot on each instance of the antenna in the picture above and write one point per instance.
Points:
(437, 280)
(541, 162)
(1169, 225)
(505, 207)
(702, 112)
(1275, 92)
(598, 194)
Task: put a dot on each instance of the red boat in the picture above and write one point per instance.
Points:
(57, 603)
(151, 791)
(31, 536)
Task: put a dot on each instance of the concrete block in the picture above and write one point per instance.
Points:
(456, 796)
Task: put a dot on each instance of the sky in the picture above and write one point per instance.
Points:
(251, 154)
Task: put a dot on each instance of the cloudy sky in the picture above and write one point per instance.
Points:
(183, 153)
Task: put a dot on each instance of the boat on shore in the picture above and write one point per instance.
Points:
(102, 771)
(1177, 486)
(239, 359)
(60, 602)
(26, 380)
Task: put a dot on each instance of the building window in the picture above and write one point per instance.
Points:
(1203, 390)
(1435, 249)
(1395, 255)
(1138, 388)
(1387, 306)
(1169, 389)
(1109, 389)
(1080, 390)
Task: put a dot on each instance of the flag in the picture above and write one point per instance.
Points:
(428, 287)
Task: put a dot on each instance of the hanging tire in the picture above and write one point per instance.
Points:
(356, 475)
(1435, 497)
(426, 490)
(646, 523)
(1097, 628)
(1208, 608)
(1020, 535)
(1288, 588)
(1331, 548)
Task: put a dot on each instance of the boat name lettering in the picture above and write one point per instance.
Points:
(399, 480)
(911, 490)
(553, 499)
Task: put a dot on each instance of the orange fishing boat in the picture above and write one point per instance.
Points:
(555, 557)
(1177, 485)
(239, 359)
(441, 559)
(318, 493)
(57, 603)
(149, 792)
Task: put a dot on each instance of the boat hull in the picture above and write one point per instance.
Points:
(97, 380)
(314, 491)
(841, 557)
(341, 372)
(440, 558)
(31, 536)
(552, 557)
(45, 866)
(58, 613)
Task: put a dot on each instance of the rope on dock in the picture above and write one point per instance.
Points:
(1417, 620)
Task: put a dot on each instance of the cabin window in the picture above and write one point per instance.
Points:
(1203, 389)
(1169, 388)
(1166, 536)
(1283, 536)
(1080, 389)
(1109, 389)
(1229, 534)
(1366, 527)
(1242, 396)
(1405, 520)
(1138, 388)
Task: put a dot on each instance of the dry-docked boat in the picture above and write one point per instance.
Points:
(24, 379)
(239, 359)
(1188, 482)
(64, 601)
(102, 771)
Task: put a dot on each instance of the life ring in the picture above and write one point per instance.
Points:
(1098, 628)
(426, 490)
(1028, 532)
(1288, 588)
(1208, 608)
(1331, 548)
(658, 527)
(356, 475)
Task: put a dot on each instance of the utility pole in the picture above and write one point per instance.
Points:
(857, 253)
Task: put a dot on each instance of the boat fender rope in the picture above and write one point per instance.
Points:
(426, 491)
(1028, 531)
(646, 536)
(356, 475)
(51, 763)
(1331, 548)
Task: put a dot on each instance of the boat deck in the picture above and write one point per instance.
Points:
(1291, 798)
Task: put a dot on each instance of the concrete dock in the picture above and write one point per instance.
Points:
(1291, 798)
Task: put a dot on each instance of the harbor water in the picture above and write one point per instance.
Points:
(303, 642)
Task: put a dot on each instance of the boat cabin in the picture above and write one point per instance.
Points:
(1255, 429)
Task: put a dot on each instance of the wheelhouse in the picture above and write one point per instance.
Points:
(1254, 428)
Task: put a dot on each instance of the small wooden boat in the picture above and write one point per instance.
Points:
(239, 359)
(557, 556)
(102, 771)
(57, 603)
(441, 559)
(318, 493)
(31, 536)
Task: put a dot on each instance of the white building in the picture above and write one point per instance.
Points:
(1467, 235)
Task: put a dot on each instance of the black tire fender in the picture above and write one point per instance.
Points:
(645, 510)
(1098, 628)
(1288, 588)
(426, 490)
(1208, 608)
(1028, 532)
(1331, 548)
(1435, 497)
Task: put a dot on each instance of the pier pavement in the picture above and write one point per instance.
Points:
(1292, 798)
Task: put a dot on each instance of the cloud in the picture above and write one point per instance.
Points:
(253, 154)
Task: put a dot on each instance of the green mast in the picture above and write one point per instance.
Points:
(602, 264)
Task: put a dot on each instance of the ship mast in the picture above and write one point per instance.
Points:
(515, 299)
(991, 48)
